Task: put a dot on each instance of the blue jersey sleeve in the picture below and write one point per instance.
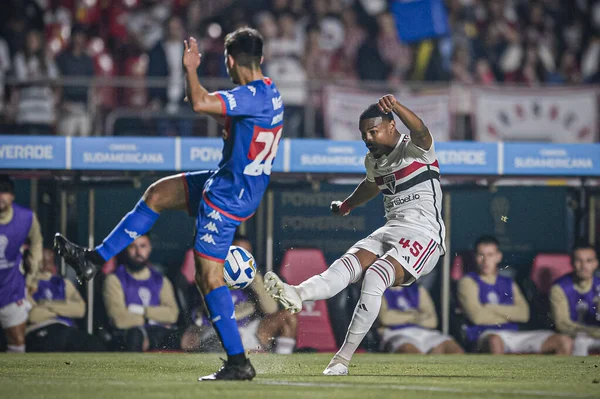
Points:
(240, 101)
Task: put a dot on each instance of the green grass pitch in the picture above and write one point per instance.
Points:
(158, 375)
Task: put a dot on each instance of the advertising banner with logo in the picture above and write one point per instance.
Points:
(32, 152)
(123, 153)
(343, 106)
(561, 160)
(550, 115)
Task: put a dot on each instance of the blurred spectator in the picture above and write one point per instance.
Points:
(396, 55)
(483, 72)
(146, 22)
(574, 300)
(18, 225)
(140, 302)
(284, 55)
(460, 68)
(75, 63)
(370, 64)
(354, 36)
(408, 321)
(494, 304)
(591, 59)
(35, 99)
(4, 68)
(164, 61)
(55, 305)
(262, 327)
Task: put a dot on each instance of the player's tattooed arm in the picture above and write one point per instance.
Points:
(419, 134)
(199, 98)
(364, 192)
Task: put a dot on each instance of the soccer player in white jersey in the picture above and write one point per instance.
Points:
(405, 169)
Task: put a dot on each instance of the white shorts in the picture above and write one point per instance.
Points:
(583, 343)
(248, 333)
(417, 253)
(519, 341)
(14, 313)
(421, 338)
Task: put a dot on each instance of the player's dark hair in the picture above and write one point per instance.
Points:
(7, 185)
(486, 240)
(245, 45)
(583, 245)
(373, 111)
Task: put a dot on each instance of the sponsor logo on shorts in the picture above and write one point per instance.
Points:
(211, 226)
(208, 238)
(215, 215)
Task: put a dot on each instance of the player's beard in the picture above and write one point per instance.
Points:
(136, 266)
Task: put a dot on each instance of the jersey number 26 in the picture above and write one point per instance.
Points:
(263, 150)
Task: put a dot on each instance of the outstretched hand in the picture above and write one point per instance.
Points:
(191, 55)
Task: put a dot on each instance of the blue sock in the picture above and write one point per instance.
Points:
(222, 314)
(133, 225)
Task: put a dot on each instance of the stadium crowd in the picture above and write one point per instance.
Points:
(307, 42)
(138, 308)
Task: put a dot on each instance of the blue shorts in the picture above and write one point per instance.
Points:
(215, 228)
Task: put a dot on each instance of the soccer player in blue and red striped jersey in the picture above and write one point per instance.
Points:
(252, 114)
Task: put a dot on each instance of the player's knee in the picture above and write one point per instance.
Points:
(565, 345)
(154, 197)
(495, 345)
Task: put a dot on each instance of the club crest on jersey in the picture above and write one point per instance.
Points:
(390, 182)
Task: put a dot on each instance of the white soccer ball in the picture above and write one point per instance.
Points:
(240, 268)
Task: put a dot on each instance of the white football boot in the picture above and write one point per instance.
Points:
(337, 366)
(282, 292)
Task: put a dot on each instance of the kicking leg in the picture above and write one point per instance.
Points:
(382, 274)
(344, 271)
(169, 193)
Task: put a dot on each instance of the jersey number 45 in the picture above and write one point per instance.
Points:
(263, 150)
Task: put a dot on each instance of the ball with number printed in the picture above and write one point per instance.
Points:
(240, 268)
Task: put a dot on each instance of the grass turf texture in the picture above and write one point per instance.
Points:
(132, 376)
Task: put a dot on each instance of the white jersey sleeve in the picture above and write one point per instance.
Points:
(370, 167)
(418, 153)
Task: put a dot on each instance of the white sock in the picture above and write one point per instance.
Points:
(284, 345)
(15, 349)
(378, 278)
(338, 276)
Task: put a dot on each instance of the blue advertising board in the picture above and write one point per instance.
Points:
(327, 156)
(32, 152)
(123, 153)
(294, 155)
(467, 158)
(552, 159)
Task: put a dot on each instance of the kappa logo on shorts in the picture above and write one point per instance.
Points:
(132, 234)
(211, 226)
(215, 215)
(390, 182)
(208, 238)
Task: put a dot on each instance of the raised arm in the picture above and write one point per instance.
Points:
(199, 98)
(419, 134)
